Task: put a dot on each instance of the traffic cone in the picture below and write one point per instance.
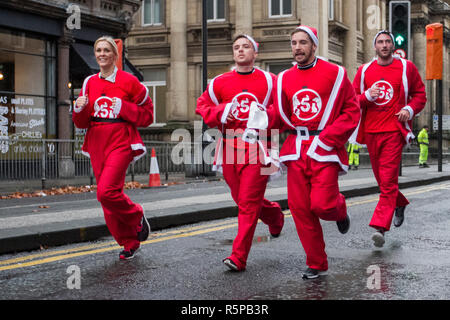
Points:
(154, 178)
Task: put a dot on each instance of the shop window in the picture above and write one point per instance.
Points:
(27, 88)
(280, 8)
(155, 81)
(215, 10)
(152, 12)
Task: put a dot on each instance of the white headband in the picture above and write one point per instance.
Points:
(383, 32)
(255, 45)
(310, 33)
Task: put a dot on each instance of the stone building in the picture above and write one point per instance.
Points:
(165, 44)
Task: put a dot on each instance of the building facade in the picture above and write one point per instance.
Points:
(46, 50)
(165, 44)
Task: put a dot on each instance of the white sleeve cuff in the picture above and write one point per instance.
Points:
(78, 109)
(225, 113)
(368, 97)
(117, 106)
(410, 110)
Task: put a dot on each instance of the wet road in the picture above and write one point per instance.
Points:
(185, 263)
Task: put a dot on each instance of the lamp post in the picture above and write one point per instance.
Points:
(204, 70)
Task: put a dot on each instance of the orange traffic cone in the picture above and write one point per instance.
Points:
(154, 178)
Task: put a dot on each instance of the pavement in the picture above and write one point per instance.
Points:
(41, 222)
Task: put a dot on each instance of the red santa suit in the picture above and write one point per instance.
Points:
(242, 163)
(401, 88)
(112, 142)
(318, 106)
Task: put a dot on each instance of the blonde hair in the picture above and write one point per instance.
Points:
(111, 41)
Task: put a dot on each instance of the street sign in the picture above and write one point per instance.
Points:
(401, 53)
(445, 122)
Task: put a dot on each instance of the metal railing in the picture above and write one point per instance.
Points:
(58, 158)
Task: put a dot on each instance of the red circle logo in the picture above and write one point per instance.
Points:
(242, 103)
(103, 108)
(307, 104)
(386, 92)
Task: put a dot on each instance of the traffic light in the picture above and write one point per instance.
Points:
(400, 26)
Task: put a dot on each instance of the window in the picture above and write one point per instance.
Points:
(278, 67)
(280, 8)
(359, 14)
(215, 10)
(155, 81)
(27, 103)
(152, 12)
(330, 9)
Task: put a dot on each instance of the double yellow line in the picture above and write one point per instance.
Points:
(58, 255)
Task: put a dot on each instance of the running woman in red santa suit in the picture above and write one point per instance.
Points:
(317, 105)
(111, 105)
(390, 92)
(226, 104)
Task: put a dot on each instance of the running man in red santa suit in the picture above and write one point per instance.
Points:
(317, 105)
(226, 104)
(390, 92)
(111, 105)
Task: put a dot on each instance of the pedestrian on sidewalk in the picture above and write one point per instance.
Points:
(111, 105)
(317, 105)
(422, 139)
(226, 104)
(353, 156)
(390, 92)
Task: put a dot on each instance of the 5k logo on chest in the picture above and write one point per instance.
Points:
(307, 104)
(103, 108)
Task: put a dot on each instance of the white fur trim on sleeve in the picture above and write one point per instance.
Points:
(78, 109)
(410, 110)
(225, 113)
(117, 107)
(368, 97)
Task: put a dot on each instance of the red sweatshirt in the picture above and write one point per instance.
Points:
(232, 93)
(402, 88)
(134, 106)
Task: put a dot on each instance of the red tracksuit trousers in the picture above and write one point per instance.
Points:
(313, 194)
(110, 159)
(247, 189)
(385, 151)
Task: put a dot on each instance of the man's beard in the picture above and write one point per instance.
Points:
(385, 54)
(304, 58)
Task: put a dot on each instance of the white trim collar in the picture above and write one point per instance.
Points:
(110, 78)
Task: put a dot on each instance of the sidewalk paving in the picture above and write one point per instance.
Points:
(41, 222)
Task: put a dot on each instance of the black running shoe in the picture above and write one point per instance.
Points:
(399, 216)
(311, 273)
(344, 224)
(127, 254)
(230, 264)
(143, 230)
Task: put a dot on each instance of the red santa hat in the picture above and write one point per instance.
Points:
(312, 32)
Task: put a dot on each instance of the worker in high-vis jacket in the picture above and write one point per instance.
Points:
(353, 156)
(422, 139)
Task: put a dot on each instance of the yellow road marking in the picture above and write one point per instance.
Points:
(110, 248)
(58, 255)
